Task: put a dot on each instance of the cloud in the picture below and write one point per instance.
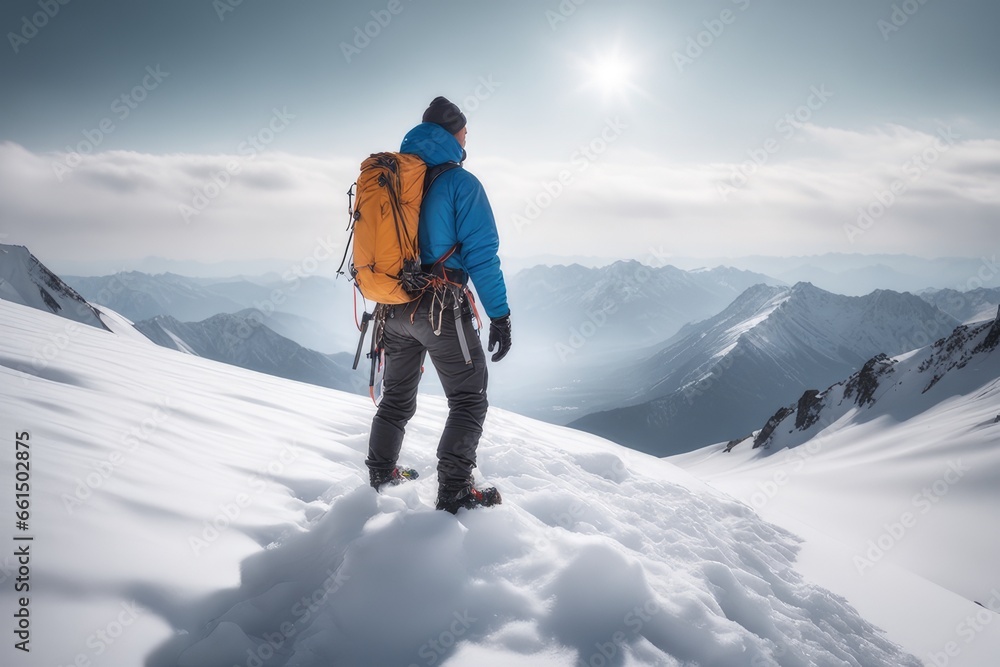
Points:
(827, 190)
(123, 205)
(889, 189)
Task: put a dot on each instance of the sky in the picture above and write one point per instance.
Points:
(231, 130)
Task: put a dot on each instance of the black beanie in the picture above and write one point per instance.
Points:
(446, 114)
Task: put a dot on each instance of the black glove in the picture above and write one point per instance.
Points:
(500, 335)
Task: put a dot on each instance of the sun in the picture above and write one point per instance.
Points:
(610, 73)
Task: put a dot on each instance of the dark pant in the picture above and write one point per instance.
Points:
(406, 343)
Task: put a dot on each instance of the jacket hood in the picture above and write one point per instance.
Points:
(432, 144)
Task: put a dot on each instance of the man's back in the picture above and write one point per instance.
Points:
(456, 210)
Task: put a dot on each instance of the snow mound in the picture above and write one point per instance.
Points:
(575, 564)
(236, 515)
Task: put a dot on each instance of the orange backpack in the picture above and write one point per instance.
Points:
(386, 262)
(386, 265)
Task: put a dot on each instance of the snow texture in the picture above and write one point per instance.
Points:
(894, 474)
(214, 516)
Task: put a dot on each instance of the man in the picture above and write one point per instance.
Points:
(455, 214)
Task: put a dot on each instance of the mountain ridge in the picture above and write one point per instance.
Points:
(26, 281)
(727, 371)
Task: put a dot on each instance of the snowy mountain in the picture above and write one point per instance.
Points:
(628, 304)
(975, 305)
(858, 274)
(140, 296)
(721, 377)
(25, 280)
(883, 379)
(186, 512)
(894, 475)
(575, 326)
(313, 311)
(243, 340)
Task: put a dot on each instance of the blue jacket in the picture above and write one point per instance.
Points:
(456, 210)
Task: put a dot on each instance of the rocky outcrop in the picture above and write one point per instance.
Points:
(808, 409)
(865, 382)
(992, 338)
(764, 436)
(965, 345)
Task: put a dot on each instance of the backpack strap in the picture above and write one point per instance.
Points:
(429, 178)
(435, 171)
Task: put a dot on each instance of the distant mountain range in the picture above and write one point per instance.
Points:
(975, 305)
(718, 378)
(313, 311)
(241, 340)
(654, 357)
(575, 326)
(617, 308)
(858, 274)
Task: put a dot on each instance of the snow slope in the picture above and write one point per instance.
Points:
(895, 475)
(187, 512)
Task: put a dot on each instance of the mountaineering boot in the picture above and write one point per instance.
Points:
(380, 477)
(470, 497)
